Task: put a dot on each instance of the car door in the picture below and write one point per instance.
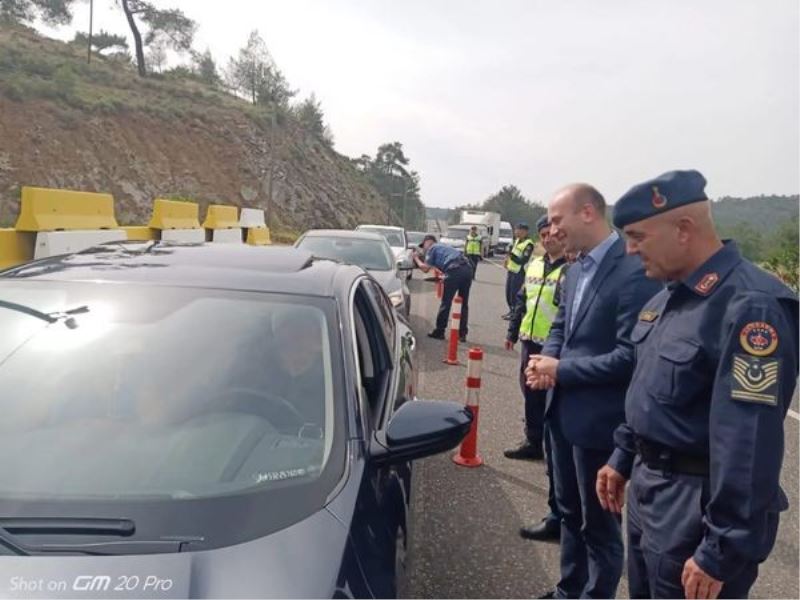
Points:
(379, 526)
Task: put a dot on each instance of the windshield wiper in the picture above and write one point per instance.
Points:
(70, 526)
(52, 317)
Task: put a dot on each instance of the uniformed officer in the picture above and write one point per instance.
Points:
(716, 365)
(531, 318)
(516, 262)
(472, 249)
(457, 272)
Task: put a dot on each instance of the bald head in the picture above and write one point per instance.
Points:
(577, 216)
(673, 244)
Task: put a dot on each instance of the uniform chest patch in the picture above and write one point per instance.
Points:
(759, 338)
(648, 316)
(755, 379)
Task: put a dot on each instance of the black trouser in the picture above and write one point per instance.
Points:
(456, 279)
(514, 281)
(535, 423)
(474, 259)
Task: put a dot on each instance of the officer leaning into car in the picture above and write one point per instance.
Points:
(457, 272)
(531, 318)
(703, 441)
(472, 249)
(515, 264)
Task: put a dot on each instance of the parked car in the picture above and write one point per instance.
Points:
(396, 237)
(370, 251)
(456, 237)
(210, 420)
(414, 238)
(506, 239)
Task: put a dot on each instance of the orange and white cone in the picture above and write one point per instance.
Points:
(468, 452)
(451, 358)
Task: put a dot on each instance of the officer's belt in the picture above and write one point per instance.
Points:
(662, 458)
(456, 264)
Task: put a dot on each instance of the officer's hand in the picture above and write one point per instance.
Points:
(610, 488)
(509, 345)
(697, 583)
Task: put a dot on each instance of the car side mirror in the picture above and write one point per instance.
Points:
(418, 429)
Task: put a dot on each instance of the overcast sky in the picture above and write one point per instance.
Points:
(537, 93)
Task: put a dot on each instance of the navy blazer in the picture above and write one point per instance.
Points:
(596, 356)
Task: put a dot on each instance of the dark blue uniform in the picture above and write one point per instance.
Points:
(716, 365)
(458, 273)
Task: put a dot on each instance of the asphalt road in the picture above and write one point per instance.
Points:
(465, 521)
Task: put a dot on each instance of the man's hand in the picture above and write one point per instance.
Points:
(534, 379)
(509, 345)
(610, 488)
(697, 583)
(544, 366)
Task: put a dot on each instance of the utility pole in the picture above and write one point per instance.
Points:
(91, 23)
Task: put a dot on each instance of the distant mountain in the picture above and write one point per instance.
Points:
(765, 214)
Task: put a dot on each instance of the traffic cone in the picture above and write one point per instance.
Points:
(468, 452)
(451, 358)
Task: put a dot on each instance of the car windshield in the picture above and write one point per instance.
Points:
(415, 237)
(457, 233)
(506, 233)
(373, 255)
(161, 392)
(393, 236)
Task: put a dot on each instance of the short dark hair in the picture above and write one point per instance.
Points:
(426, 238)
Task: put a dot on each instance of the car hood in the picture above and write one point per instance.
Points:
(389, 280)
(301, 561)
(455, 243)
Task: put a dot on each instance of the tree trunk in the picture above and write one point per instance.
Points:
(137, 38)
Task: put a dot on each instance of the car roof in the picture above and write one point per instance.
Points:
(395, 227)
(209, 265)
(345, 233)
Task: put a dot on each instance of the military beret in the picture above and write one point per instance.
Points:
(670, 190)
(542, 222)
(522, 225)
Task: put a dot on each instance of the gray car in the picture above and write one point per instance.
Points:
(367, 250)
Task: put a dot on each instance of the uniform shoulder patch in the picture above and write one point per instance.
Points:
(758, 338)
(707, 283)
(755, 379)
(648, 316)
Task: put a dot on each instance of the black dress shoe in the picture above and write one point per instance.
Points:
(525, 451)
(506, 317)
(462, 339)
(437, 335)
(546, 530)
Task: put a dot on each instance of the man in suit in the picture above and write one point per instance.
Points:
(586, 363)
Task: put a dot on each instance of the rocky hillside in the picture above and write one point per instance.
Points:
(98, 127)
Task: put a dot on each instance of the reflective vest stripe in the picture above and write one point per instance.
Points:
(518, 250)
(541, 309)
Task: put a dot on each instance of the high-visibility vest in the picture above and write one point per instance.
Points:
(473, 245)
(518, 250)
(541, 309)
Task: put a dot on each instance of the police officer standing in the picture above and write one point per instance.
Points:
(716, 365)
(516, 262)
(472, 249)
(457, 272)
(531, 318)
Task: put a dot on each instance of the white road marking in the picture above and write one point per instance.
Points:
(794, 415)
(496, 264)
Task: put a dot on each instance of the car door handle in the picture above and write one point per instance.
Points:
(412, 341)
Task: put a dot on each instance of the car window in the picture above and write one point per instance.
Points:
(367, 254)
(394, 237)
(176, 392)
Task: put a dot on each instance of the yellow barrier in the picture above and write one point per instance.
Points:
(140, 233)
(44, 209)
(221, 217)
(173, 214)
(16, 247)
(258, 236)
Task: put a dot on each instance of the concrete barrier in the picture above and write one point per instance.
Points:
(223, 224)
(253, 222)
(177, 221)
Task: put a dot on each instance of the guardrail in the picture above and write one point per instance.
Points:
(55, 221)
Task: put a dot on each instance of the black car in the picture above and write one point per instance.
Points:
(204, 421)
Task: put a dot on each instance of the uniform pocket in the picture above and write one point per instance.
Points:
(678, 371)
